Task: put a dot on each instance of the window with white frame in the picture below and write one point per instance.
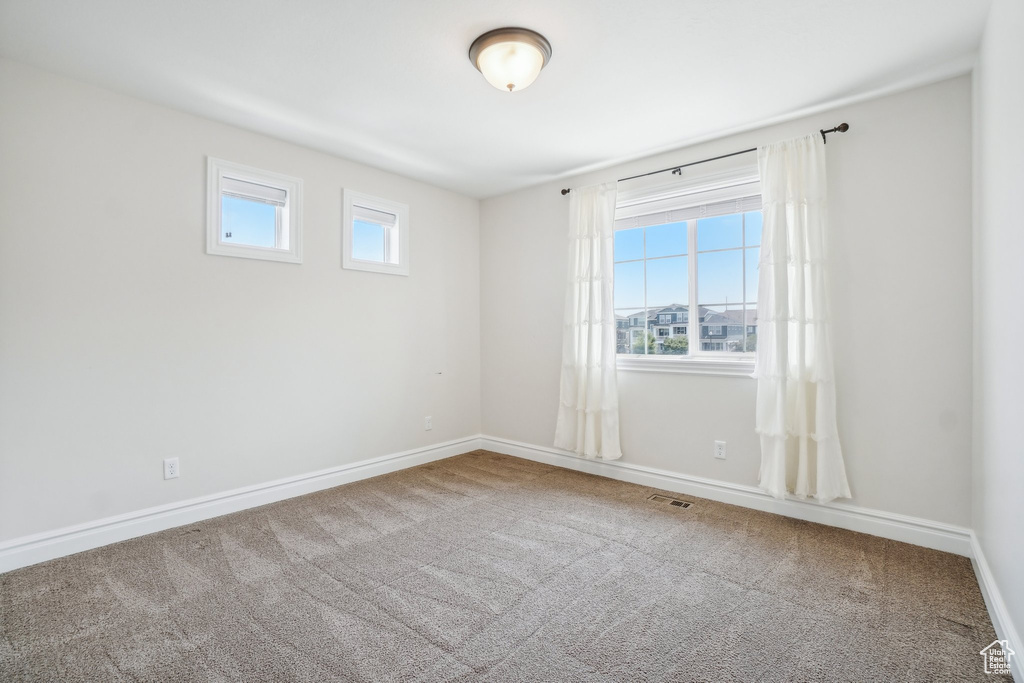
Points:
(692, 245)
(253, 213)
(375, 234)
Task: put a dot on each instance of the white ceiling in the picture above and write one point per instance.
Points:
(388, 82)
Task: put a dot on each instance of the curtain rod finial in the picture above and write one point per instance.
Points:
(566, 191)
(841, 128)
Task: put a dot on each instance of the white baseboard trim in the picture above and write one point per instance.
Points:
(1000, 615)
(28, 550)
(923, 532)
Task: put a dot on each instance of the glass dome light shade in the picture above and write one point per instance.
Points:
(510, 59)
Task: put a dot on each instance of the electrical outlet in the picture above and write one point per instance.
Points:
(720, 450)
(170, 468)
(428, 423)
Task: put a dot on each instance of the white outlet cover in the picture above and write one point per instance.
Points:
(171, 470)
(428, 423)
(720, 450)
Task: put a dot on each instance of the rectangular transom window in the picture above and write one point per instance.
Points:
(375, 234)
(253, 213)
(692, 246)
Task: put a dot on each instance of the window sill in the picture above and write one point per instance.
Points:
(376, 266)
(687, 366)
(252, 251)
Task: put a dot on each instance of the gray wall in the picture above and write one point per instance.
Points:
(900, 215)
(999, 314)
(122, 342)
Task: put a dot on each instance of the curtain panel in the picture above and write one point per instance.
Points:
(796, 395)
(588, 411)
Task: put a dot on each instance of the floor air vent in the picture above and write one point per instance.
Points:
(675, 502)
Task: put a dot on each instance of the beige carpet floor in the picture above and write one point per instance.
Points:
(488, 567)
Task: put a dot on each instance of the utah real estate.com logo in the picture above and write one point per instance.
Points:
(997, 657)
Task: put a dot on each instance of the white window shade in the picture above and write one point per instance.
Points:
(368, 215)
(243, 189)
(736, 191)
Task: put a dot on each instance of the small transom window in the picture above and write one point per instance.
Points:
(375, 234)
(253, 213)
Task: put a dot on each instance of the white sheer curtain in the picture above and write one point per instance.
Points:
(796, 395)
(588, 411)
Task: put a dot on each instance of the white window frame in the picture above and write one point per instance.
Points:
(664, 200)
(289, 217)
(399, 232)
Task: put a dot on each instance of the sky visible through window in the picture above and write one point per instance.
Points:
(368, 241)
(719, 273)
(248, 222)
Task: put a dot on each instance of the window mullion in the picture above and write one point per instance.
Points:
(693, 319)
(645, 293)
(743, 298)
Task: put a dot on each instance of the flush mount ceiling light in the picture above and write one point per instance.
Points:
(510, 58)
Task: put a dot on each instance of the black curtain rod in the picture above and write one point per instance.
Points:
(677, 170)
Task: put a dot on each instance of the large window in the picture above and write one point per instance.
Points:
(691, 249)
